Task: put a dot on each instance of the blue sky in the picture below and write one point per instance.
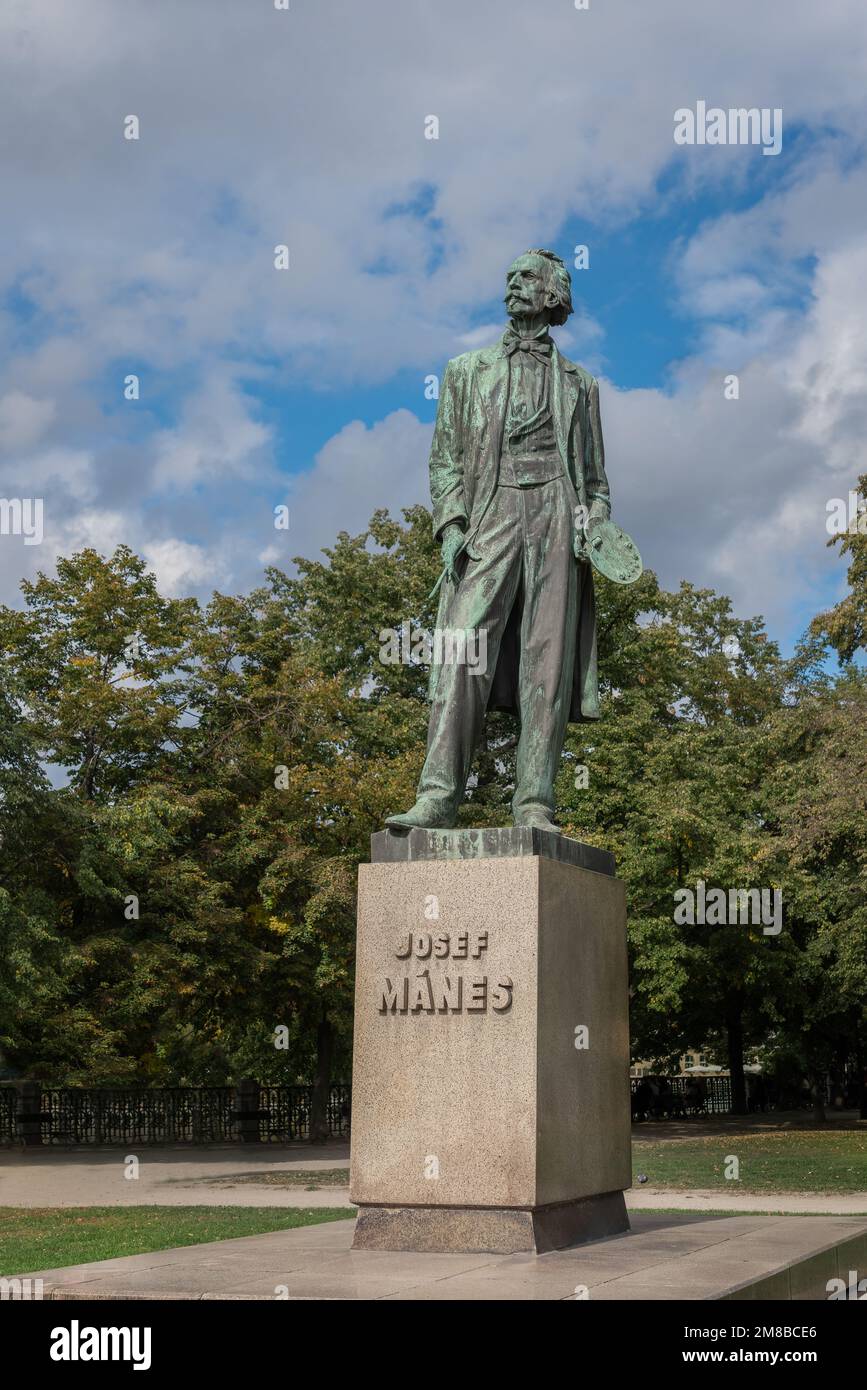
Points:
(306, 127)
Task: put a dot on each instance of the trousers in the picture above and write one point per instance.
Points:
(527, 571)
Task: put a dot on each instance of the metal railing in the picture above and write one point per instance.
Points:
(78, 1116)
(8, 1110)
(71, 1115)
(665, 1097)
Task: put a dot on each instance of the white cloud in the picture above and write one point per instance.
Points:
(23, 420)
(357, 471)
(215, 436)
(181, 567)
(91, 528)
(260, 127)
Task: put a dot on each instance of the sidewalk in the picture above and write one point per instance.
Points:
(662, 1199)
(662, 1258)
(249, 1176)
(169, 1177)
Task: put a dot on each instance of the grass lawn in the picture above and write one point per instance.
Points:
(821, 1161)
(34, 1238)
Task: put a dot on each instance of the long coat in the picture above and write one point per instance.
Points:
(464, 471)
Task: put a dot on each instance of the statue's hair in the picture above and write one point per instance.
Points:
(560, 281)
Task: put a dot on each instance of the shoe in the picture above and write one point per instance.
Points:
(426, 814)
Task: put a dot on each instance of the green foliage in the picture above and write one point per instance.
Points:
(190, 889)
(845, 626)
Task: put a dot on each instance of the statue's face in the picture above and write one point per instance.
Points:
(527, 292)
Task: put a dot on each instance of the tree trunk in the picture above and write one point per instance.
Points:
(735, 1039)
(861, 1074)
(817, 1087)
(321, 1082)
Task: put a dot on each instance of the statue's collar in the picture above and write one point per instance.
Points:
(538, 343)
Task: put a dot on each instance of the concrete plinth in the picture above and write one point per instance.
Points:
(491, 1230)
(491, 1073)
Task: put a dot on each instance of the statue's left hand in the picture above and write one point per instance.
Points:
(581, 546)
(453, 539)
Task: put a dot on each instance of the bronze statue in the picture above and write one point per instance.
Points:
(520, 507)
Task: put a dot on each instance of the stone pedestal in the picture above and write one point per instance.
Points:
(490, 1103)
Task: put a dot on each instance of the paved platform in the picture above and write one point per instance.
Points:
(663, 1258)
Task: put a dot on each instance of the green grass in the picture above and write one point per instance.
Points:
(33, 1238)
(827, 1162)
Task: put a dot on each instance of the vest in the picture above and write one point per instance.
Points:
(530, 454)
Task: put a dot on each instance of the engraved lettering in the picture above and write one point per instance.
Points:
(449, 993)
(392, 993)
(478, 995)
(423, 998)
(501, 995)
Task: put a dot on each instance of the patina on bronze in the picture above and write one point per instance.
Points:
(517, 476)
(612, 552)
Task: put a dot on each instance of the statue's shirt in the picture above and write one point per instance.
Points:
(530, 454)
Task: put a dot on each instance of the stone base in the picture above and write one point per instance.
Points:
(490, 1100)
(491, 1230)
(493, 842)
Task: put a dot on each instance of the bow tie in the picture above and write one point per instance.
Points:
(537, 347)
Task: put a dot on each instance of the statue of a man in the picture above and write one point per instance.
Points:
(516, 470)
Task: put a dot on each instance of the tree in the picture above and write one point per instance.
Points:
(90, 670)
(189, 895)
(93, 658)
(845, 625)
(675, 775)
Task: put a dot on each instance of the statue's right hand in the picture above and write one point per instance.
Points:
(453, 539)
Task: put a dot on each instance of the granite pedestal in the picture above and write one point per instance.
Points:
(490, 1106)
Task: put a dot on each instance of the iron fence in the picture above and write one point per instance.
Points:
(8, 1108)
(662, 1097)
(200, 1115)
(73, 1116)
(286, 1112)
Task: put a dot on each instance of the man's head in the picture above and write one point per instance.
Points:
(538, 285)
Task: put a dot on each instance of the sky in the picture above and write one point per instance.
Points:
(307, 127)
